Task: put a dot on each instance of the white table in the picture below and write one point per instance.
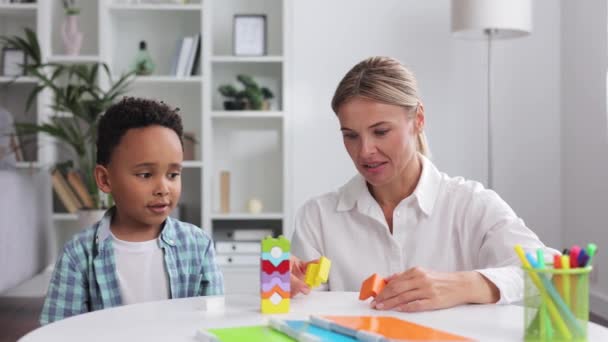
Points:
(179, 319)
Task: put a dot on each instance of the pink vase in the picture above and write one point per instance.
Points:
(71, 35)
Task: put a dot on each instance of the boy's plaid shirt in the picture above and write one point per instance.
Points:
(85, 279)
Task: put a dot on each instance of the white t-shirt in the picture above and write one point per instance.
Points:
(140, 270)
(446, 225)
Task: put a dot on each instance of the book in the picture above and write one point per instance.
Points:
(80, 189)
(16, 147)
(66, 196)
(193, 54)
(184, 53)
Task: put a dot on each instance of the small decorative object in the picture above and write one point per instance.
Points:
(225, 192)
(267, 95)
(143, 64)
(189, 143)
(255, 206)
(13, 61)
(70, 32)
(250, 97)
(250, 35)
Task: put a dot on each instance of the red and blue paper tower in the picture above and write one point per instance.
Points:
(274, 275)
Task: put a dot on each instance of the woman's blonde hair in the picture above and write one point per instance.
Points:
(386, 80)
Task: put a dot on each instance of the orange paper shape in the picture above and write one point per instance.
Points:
(393, 328)
(371, 287)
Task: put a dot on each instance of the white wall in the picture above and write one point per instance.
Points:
(331, 36)
(584, 135)
(25, 243)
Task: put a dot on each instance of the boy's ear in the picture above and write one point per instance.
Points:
(102, 179)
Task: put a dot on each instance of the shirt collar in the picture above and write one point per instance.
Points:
(168, 233)
(355, 192)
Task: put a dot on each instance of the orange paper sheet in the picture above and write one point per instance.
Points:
(394, 328)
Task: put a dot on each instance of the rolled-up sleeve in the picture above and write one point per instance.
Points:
(497, 229)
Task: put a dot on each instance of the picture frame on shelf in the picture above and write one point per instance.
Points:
(249, 34)
(13, 61)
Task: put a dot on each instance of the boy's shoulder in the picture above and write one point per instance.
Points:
(184, 233)
(82, 244)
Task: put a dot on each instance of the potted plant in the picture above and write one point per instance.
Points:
(74, 91)
(251, 96)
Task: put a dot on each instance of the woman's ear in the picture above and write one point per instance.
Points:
(102, 179)
(419, 118)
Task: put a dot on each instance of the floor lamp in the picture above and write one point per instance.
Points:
(490, 20)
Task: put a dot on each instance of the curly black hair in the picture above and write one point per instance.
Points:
(132, 112)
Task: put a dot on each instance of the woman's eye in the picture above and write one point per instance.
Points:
(174, 175)
(381, 132)
(349, 136)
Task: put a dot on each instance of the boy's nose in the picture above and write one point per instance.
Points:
(162, 189)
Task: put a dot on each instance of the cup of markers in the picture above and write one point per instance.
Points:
(556, 294)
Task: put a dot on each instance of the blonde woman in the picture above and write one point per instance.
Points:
(439, 241)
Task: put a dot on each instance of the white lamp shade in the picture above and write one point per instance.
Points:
(506, 18)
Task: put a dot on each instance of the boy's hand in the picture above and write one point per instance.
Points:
(298, 275)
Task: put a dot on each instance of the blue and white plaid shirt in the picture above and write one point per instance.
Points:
(85, 279)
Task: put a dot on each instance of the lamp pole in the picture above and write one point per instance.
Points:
(490, 144)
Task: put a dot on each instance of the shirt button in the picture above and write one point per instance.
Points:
(398, 213)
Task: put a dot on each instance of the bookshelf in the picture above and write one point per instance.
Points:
(250, 144)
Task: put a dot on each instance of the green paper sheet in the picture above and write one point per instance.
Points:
(250, 334)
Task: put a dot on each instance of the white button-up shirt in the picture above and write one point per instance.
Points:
(447, 225)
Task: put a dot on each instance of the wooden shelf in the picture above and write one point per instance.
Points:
(247, 216)
(28, 165)
(247, 114)
(18, 9)
(166, 79)
(156, 7)
(64, 217)
(20, 79)
(192, 164)
(74, 59)
(247, 59)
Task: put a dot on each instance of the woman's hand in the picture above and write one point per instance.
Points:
(298, 275)
(418, 289)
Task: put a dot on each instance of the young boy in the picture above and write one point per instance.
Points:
(136, 253)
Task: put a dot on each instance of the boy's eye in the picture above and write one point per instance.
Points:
(144, 175)
(174, 175)
(381, 132)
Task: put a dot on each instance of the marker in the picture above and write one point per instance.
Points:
(540, 258)
(591, 249)
(557, 261)
(582, 258)
(561, 326)
(574, 252)
(566, 279)
(531, 260)
(546, 329)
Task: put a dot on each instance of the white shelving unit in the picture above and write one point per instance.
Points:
(251, 145)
